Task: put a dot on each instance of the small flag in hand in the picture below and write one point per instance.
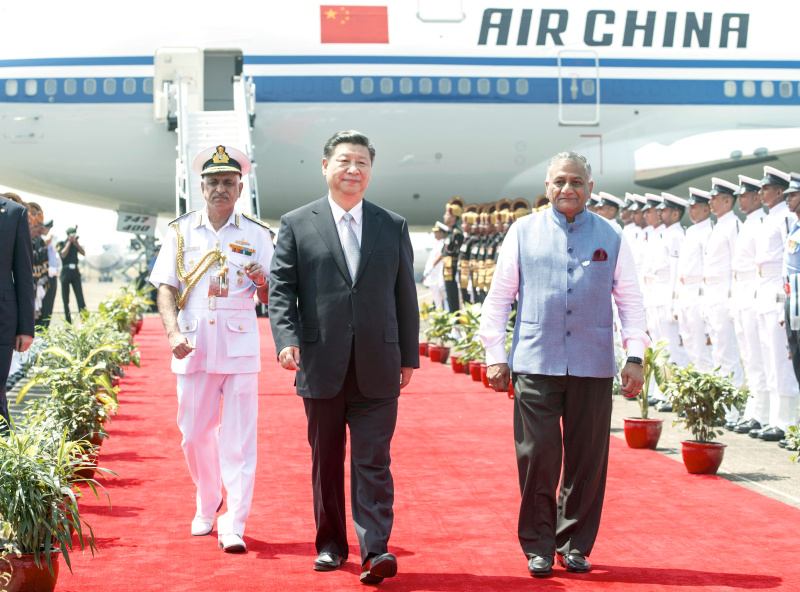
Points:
(354, 24)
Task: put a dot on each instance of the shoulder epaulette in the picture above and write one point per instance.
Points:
(181, 217)
(256, 220)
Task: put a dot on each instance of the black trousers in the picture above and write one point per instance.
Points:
(793, 337)
(47, 303)
(451, 291)
(541, 404)
(71, 277)
(372, 423)
(6, 352)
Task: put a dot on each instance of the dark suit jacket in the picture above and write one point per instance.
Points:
(314, 305)
(16, 272)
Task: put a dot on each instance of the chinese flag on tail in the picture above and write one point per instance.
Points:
(354, 24)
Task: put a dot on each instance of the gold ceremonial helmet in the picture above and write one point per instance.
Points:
(455, 206)
(541, 203)
(491, 212)
(521, 207)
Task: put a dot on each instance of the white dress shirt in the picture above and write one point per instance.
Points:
(505, 287)
(744, 254)
(690, 262)
(720, 247)
(338, 219)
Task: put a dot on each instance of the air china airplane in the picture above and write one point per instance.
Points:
(460, 97)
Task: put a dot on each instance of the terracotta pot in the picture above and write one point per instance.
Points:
(434, 352)
(475, 371)
(702, 458)
(444, 353)
(26, 576)
(423, 348)
(456, 366)
(642, 433)
(115, 381)
(484, 378)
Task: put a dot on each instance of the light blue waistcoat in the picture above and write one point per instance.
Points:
(564, 318)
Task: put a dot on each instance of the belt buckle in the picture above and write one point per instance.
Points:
(212, 303)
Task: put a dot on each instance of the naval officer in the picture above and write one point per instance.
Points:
(211, 264)
(565, 264)
(791, 265)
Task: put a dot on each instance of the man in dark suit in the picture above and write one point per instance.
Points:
(16, 287)
(343, 309)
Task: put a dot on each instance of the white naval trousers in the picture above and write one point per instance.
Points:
(745, 323)
(724, 346)
(783, 389)
(220, 452)
(692, 326)
(670, 331)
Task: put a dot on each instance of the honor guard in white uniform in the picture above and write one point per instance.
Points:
(671, 210)
(650, 260)
(609, 208)
(634, 231)
(689, 303)
(770, 298)
(717, 277)
(791, 268)
(210, 266)
(593, 203)
(743, 307)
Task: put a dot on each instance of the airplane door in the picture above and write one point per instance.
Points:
(219, 68)
(578, 87)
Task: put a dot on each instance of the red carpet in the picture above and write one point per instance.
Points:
(456, 504)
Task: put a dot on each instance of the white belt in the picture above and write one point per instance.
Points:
(744, 276)
(214, 303)
(716, 279)
(691, 279)
(72, 265)
(770, 270)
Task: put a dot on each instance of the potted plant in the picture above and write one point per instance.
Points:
(701, 401)
(439, 334)
(468, 344)
(37, 502)
(645, 432)
(425, 310)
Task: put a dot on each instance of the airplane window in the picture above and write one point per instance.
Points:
(348, 86)
(367, 86)
(730, 88)
(31, 86)
(749, 88)
(785, 89)
(445, 86)
(767, 88)
(147, 87)
(129, 86)
(387, 86)
(70, 86)
(522, 86)
(464, 86)
(587, 86)
(50, 86)
(109, 86)
(89, 86)
(12, 88)
(484, 87)
(425, 86)
(406, 86)
(502, 86)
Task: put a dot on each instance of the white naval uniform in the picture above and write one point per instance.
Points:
(745, 320)
(689, 304)
(716, 290)
(635, 237)
(434, 275)
(223, 365)
(652, 239)
(770, 298)
(665, 281)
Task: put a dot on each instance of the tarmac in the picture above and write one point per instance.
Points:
(761, 466)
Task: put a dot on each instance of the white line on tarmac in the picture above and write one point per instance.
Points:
(791, 497)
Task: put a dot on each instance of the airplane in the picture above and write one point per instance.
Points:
(460, 97)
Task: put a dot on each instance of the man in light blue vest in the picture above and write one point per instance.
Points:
(564, 263)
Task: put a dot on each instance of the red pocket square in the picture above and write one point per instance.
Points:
(600, 255)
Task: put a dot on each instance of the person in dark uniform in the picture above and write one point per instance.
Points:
(468, 220)
(16, 279)
(40, 262)
(70, 274)
(488, 238)
(452, 245)
(497, 219)
(53, 265)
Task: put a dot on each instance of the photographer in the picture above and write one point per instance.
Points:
(70, 274)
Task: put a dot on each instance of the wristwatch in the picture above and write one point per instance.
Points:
(634, 360)
(261, 285)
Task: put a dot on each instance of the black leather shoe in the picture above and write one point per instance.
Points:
(540, 566)
(745, 426)
(756, 432)
(652, 401)
(575, 563)
(773, 434)
(328, 561)
(378, 567)
(783, 443)
(665, 407)
(730, 425)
